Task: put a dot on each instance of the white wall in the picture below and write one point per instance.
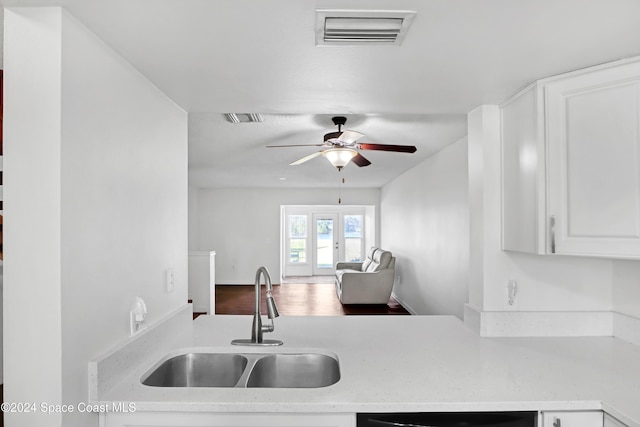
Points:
(626, 288)
(243, 225)
(31, 180)
(545, 283)
(425, 223)
(96, 190)
(193, 218)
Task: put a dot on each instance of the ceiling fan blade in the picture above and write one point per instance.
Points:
(350, 136)
(360, 160)
(386, 147)
(297, 145)
(306, 158)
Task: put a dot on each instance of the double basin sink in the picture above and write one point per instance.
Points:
(272, 370)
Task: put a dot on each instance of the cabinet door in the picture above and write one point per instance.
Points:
(572, 419)
(593, 143)
(523, 173)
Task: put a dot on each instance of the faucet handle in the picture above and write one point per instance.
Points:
(269, 328)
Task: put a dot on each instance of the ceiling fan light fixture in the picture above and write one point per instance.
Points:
(340, 157)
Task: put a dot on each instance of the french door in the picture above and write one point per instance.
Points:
(316, 237)
(326, 243)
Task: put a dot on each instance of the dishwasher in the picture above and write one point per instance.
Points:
(448, 419)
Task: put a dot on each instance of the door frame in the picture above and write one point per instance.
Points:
(370, 232)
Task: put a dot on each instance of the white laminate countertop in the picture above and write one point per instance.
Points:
(406, 364)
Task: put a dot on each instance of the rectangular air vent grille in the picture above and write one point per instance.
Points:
(361, 27)
(243, 117)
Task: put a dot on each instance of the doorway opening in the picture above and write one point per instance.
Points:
(315, 237)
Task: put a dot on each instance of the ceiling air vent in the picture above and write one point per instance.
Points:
(361, 27)
(243, 117)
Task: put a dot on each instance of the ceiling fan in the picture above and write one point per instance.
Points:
(341, 147)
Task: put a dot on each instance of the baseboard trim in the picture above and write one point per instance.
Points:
(404, 305)
(539, 324)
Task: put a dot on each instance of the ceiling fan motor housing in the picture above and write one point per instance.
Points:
(339, 120)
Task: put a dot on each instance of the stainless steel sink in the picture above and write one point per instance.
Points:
(277, 370)
(295, 371)
(198, 370)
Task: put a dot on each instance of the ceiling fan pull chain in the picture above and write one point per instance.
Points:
(340, 193)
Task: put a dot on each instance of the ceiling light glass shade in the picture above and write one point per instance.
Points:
(340, 157)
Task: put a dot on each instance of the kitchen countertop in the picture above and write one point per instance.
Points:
(405, 364)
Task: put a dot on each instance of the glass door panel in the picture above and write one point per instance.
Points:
(353, 237)
(297, 239)
(326, 243)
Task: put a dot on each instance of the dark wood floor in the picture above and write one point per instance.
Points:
(297, 299)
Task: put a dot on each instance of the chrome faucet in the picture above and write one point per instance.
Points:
(257, 329)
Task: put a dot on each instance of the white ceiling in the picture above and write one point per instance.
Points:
(259, 56)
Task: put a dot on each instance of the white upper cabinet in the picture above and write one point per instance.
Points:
(571, 164)
(523, 172)
(593, 140)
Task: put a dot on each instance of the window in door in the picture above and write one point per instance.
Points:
(297, 239)
(326, 243)
(353, 237)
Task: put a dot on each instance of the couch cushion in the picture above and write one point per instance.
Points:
(372, 252)
(382, 257)
(380, 261)
(369, 259)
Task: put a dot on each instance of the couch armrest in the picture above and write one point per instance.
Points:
(349, 266)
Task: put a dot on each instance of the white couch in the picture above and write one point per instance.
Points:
(367, 282)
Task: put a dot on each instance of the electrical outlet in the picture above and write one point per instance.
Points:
(511, 296)
(398, 279)
(169, 280)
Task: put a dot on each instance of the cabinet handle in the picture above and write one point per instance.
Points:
(552, 231)
(556, 421)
